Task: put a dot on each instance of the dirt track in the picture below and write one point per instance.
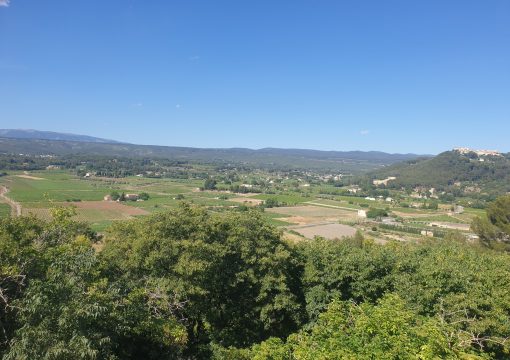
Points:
(29, 177)
(15, 207)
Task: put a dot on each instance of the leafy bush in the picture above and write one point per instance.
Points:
(373, 213)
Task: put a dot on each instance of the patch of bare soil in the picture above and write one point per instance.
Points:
(29, 177)
(312, 211)
(328, 231)
(298, 220)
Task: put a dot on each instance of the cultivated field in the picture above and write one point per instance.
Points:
(5, 210)
(247, 201)
(93, 211)
(38, 191)
(328, 231)
(308, 214)
(314, 213)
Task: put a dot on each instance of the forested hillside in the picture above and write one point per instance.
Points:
(467, 172)
(190, 284)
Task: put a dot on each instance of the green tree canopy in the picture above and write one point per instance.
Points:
(239, 281)
(58, 303)
(494, 229)
(387, 330)
(210, 184)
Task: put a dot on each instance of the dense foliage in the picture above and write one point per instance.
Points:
(387, 330)
(190, 284)
(238, 281)
(494, 230)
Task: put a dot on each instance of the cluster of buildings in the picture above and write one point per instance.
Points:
(380, 197)
(127, 197)
(464, 150)
(328, 177)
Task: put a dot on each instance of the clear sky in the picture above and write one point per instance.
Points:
(416, 76)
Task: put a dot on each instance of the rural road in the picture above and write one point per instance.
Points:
(15, 207)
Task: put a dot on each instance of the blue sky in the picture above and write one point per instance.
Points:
(397, 76)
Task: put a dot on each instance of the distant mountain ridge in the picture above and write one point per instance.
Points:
(50, 135)
(354, 154)
(355, 161)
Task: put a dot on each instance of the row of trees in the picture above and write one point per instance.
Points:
(190, 284)
(115, 195)
(102, 165)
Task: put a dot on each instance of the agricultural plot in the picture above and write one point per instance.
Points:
(451, 226)
(205, 201)
(155, 203)
(415, 213)
(287, 199)
(164, 187)
(247, 201)
(30, 177)
(275, 219)
(337, 203)
(37, 192)
(308, 214)
(43, 187)
(439, 218)
(327, 231)
(62, 186)
(23, 189)
(474, 212)
(5, 210)
(93, 211)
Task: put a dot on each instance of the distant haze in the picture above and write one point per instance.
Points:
(49, 135)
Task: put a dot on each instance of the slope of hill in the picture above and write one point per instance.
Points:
(465, 170)
(49, 135)
(355, 161)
